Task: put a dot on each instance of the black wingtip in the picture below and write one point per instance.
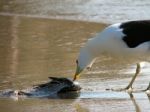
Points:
(53, 78)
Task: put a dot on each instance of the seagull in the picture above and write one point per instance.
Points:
(126, 40)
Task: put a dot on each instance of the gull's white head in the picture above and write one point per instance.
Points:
(85, 59)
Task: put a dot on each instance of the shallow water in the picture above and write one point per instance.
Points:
(107, 11)
(34, 47)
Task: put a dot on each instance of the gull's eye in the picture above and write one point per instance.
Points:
(76, 61)
(88, 68)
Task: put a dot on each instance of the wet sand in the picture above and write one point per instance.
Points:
(33, 49)
(33, 46)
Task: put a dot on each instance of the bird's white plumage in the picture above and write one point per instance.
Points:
(127, 40)
(110, 41)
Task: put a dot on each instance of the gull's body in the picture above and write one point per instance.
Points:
(126, 40)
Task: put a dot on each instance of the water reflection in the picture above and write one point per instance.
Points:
(80, 108)
(34, 49)
(14, 45)
(137, 108)
(148, 97)
(70, 95)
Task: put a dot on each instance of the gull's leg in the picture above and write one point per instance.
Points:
(137, 108)
(138, 68)
(129, 87)
(148, 87)
(147, 90)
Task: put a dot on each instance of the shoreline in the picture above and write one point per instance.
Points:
(49, 18)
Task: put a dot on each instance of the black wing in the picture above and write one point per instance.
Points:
(136, 32)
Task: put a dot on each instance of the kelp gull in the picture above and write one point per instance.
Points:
(129, 39)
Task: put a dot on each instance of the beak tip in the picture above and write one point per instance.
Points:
(76, 76)
(77, 73)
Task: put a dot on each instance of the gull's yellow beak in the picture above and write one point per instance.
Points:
(77, 74)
